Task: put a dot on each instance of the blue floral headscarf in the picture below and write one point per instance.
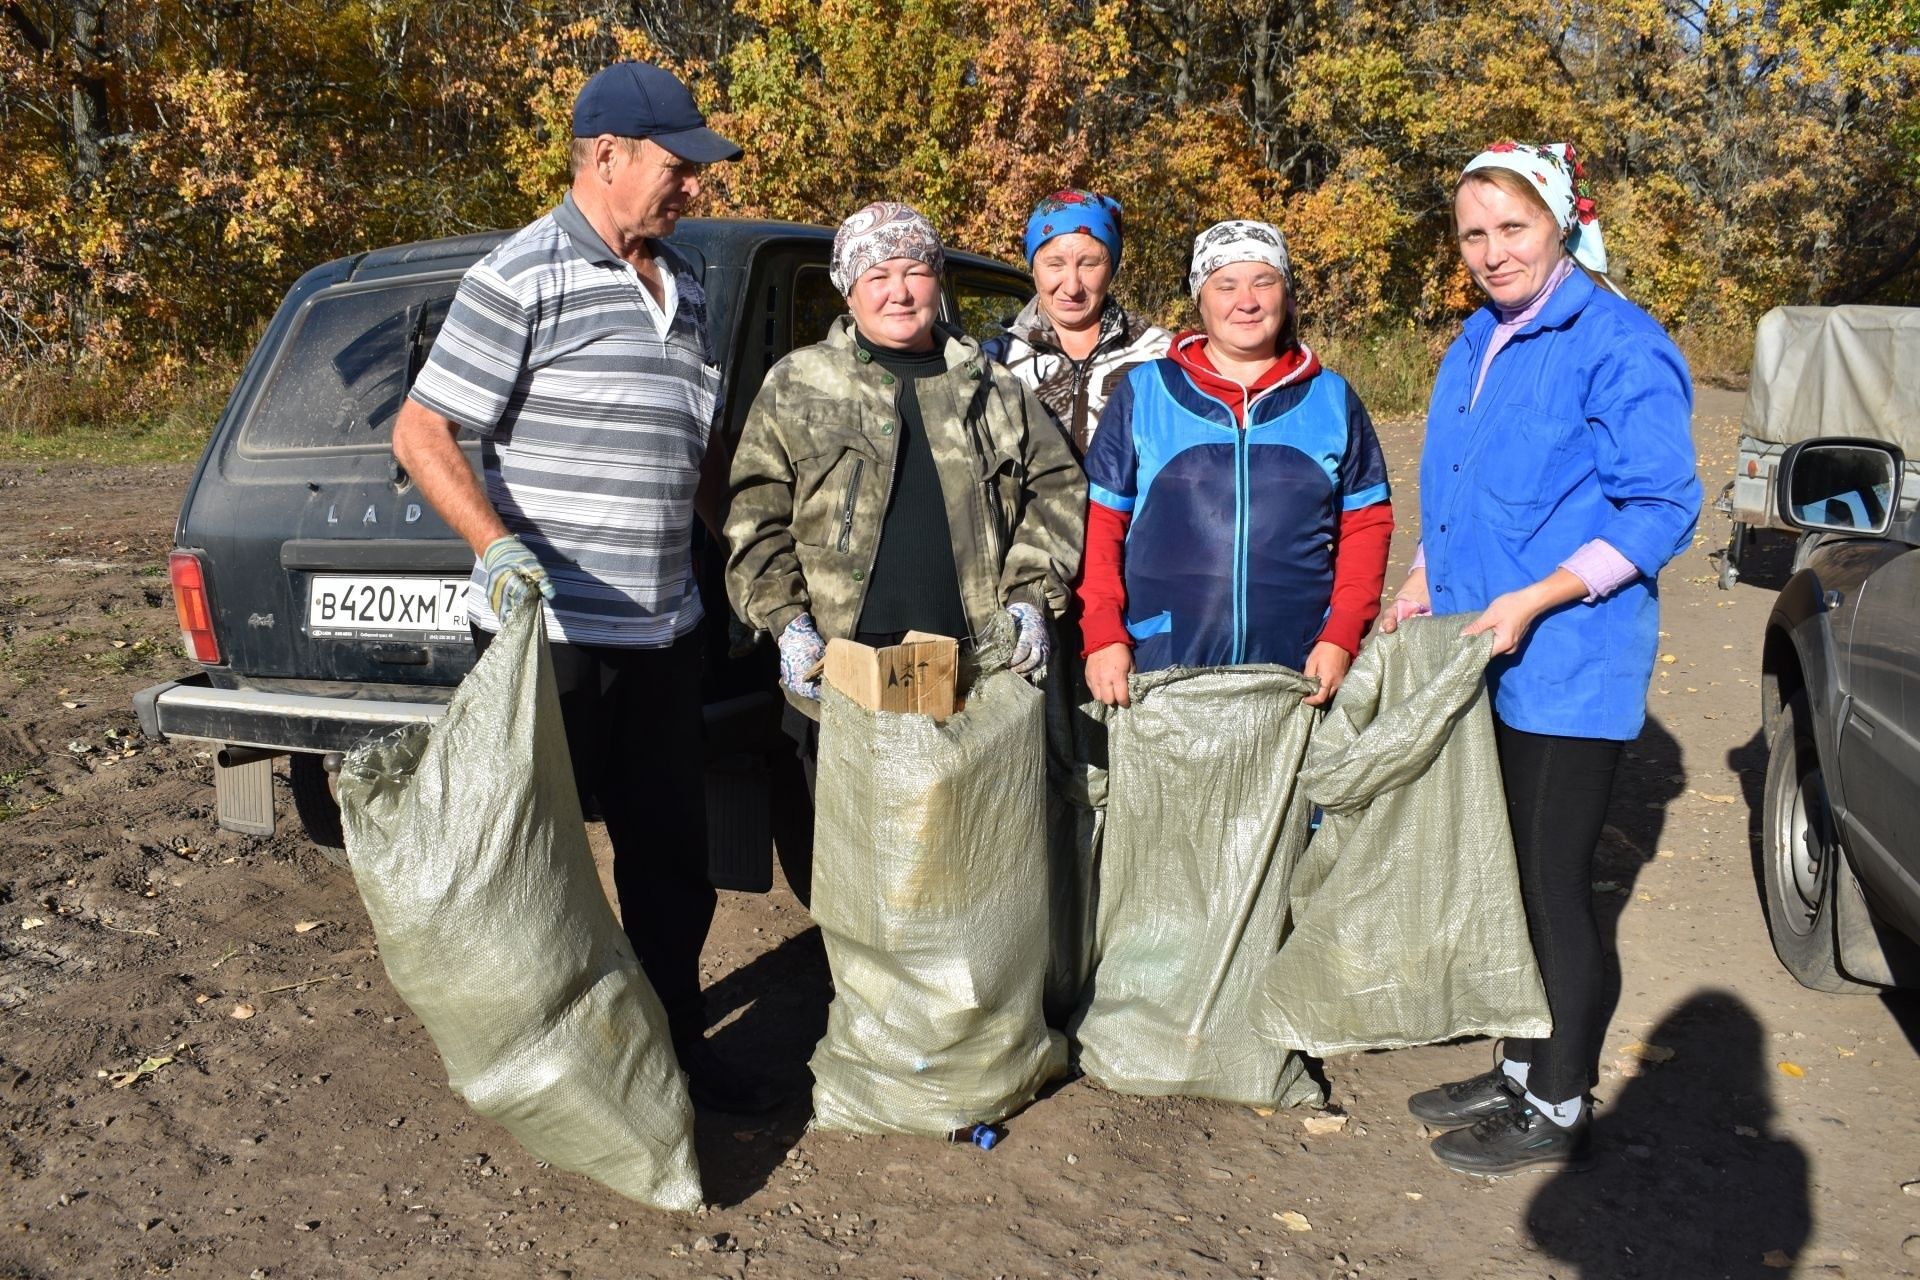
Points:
(1075, 210)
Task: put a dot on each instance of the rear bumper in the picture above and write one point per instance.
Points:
(193, 708)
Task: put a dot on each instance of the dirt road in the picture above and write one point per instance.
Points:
(317, 1138)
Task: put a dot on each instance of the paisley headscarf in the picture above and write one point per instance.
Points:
(882, 230)
(1239, 240)
(1075, 210)
(1556, 173)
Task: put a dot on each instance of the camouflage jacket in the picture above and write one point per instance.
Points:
(814, 469)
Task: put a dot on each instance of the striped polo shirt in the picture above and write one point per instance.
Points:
(594, 419)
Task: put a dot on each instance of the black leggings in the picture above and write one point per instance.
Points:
(1557, 793)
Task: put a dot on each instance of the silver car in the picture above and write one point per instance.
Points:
(1840, 851)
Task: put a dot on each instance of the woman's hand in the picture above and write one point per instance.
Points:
(1328, 664)
(1410, 601)
(1107, 672)
(1512, 615)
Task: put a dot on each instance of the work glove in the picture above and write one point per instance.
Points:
(801, 652)
(1030, 647)
(513, 576)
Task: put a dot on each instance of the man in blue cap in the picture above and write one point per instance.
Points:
(578, 351)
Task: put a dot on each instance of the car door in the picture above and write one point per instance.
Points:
(1879, 734)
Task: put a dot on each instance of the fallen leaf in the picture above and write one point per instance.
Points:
(308, 926)
(202, 998)
(1263, 1112)
(1776, 1258)
(1648, 1052)
(1415, 1195)
(242, 1011)
(1668, 658)
(1717, 799)
(1793, 1069)
(33, 922)
(1319, 1125)
(121, 1079)
(118, 644)
(1293, 1221)
(71, 706)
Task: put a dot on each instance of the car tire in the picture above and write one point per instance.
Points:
(1799, 854)
(313, 800)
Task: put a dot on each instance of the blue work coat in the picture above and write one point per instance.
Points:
(1582, 431)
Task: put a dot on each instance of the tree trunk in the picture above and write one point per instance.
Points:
(88, 112)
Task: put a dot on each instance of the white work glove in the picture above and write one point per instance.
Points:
(1030, 646)
(801, 650)
(514, 576)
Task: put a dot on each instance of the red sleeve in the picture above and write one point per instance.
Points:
(1102, 589)
(1359, 574)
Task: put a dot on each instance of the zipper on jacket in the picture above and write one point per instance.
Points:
(1241, 498)
(853, 492)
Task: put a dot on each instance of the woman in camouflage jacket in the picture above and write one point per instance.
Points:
(890, 478)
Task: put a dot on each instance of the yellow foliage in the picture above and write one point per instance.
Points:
(1744, 156)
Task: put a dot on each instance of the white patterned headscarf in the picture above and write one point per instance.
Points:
(1239, 240)
(1556, 173)
(882, 230)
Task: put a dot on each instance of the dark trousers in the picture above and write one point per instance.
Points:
(1557, 794)
(634, 726)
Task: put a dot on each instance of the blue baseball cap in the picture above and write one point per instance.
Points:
(640, 100)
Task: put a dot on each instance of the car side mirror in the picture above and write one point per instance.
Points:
(1841, 486)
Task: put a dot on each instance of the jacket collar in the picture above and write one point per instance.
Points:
(1118, 327)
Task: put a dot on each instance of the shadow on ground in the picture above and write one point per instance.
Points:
(1691, 1180)
(773, 1012)
(1651, 776)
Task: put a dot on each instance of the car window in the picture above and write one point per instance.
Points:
(816, 305)
(344, 368)
(985, 305)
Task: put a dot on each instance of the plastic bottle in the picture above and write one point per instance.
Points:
(982, 1136)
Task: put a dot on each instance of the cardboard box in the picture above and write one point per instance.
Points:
(916, 676)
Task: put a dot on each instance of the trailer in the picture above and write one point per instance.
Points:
(1820, 371)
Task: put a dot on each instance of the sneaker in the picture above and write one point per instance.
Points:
(1464, 1102)
(717, 1085)
(1514, 1140)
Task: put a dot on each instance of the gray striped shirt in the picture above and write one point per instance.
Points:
(594, 425)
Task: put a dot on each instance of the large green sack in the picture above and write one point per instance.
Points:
(467, 845)
(930, 890)
(1408, 926)
(1204, 824)
(1076, 823)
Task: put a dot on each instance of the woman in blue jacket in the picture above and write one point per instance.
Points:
(1556, 481)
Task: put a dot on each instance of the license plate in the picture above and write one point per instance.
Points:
(370, 608)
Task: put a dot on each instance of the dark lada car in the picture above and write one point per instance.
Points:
(1840, 844)
(322, 597)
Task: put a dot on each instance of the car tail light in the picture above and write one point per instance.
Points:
(190, 602)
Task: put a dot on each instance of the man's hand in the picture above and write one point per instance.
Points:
(513, 576)
(1107, 672)
(1327, 664)
(801, 650)
(1030, 645)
